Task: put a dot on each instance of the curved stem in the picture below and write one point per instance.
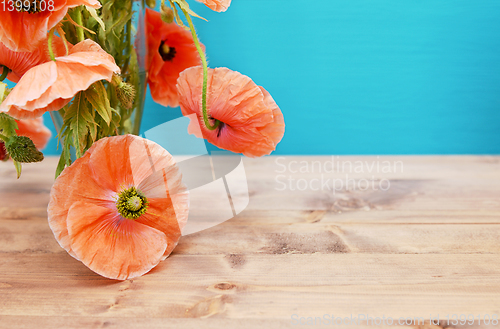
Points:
(205, 75)
(51, 50)
(63, 36)
(5, 72)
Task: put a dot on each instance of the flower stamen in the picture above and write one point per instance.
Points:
(131, 203)
(167, 53)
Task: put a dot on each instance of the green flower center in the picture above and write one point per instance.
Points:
(131, 203)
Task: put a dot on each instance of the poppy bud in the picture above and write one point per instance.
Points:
(22, 149)
(151, 3)
(167, 14)
(124, 91)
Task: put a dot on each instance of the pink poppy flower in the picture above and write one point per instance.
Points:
(171, 50)
(120, 208)
(250, 121)
(52, 85)
(23, 30)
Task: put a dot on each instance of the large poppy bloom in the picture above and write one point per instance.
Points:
(250, 121)
(24, 30)
(171, 50)
(52, 85)
(120, 208)
(217, 5)
(20, 62)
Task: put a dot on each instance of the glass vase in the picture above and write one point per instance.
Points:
(133, 64)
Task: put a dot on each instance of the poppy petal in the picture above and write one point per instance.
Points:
(23, 31)
(146, 158)
(276, 129)
(162, 216)
(111, 246)
(74, 183)
(166, 184)
(217, 5)
(110, 163)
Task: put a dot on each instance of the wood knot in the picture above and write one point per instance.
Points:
(224, 286)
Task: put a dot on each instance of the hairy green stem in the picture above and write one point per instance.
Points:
(51, 50)
(205, 75)
(79, 29)
(140, 106)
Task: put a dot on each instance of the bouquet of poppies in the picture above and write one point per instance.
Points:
(118, 203)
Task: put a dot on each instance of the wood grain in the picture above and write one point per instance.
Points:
(428, 246)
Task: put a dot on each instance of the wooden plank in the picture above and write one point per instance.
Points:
(256, 286)
(259, 234)
(212, 323)
(427, 246)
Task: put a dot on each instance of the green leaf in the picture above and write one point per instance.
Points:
(93, 13)
(98, 97)
(93, 131)
(185, 7)
(8, 125)
(19, 168)
(178, 19)
(64, 160)
(78, 117)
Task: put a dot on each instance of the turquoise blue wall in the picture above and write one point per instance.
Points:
(366, 76)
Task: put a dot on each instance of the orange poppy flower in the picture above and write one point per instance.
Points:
(217, 5)
(20, 62)
(250, 121)
(24, 30)
(171, 50)
(52, 85)
(120, 208)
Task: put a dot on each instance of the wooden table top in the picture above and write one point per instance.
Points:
(428, 246)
